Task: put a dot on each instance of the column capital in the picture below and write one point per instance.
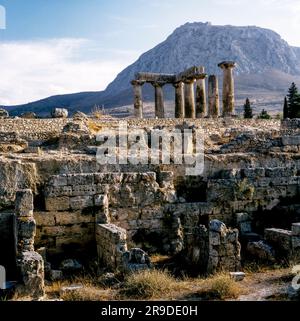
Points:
(189, 80)
(177, 84)
(137, 82)
(227, 64)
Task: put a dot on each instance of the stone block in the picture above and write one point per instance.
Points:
(58, 180)
(24, 203)
(80, 179)
(57, 203)
(45, 218)
(290, 140)
(31, 266)
(237, 276)
(253, 173)
(81, 202)
(26, 228)
(278, 238)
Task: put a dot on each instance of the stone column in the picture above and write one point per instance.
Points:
(228, 88)
(179, 99)
(201, 96)
(189, 101)
(138, 100)
(159, 100)
(213, 97)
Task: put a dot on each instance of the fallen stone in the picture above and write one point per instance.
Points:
(261, 250)
(237, 276)
(71, 288)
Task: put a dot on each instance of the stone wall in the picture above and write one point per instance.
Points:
(111, 244)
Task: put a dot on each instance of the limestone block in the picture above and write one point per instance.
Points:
(58, 180)
(31, 266)
(24, 203)
(290, 140)
(261, 250)
(57, 191)
(80, 179)
(81, 202)
(237, 276)
(67, 218)
(281, 172)
(83, 190)
(253, 173)
(26, 228)
(279, 238)
(45, 218)
(57, 203)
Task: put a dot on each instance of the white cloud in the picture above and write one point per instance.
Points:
(38, 69)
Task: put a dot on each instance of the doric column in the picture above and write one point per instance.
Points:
(138, 100)
(159, 100)
(179, 99)
(213, 96)
(189, 101)
(201, 96)
(228, 88)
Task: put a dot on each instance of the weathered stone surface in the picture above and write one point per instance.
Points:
(111, 244)
(237, 276)
(31, 266)
(280, 239)
(24, 203)
(135, 260)
(261, 251)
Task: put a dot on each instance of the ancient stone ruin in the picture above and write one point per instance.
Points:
(190, 102)
(60, 208)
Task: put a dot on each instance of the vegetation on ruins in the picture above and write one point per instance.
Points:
(264, 115)
(248, 112)
(291, 107)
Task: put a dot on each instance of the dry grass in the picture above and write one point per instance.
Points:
(97, 112)
(88, 293)
(148, 284)
(94, 127)
(222, 287)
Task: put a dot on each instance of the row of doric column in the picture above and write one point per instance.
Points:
(188, 103)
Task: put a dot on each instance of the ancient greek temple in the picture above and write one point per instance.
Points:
(190, 92)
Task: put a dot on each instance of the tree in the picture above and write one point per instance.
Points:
(293, 101)
(248, 109)
(286, 112)
(264, 115)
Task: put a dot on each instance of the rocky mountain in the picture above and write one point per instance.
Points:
(264, 61)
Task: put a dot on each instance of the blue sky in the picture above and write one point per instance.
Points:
(61, 46)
